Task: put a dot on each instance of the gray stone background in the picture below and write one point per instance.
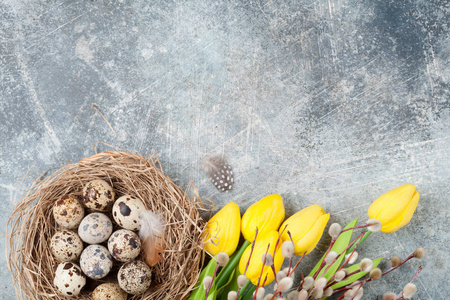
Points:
(328, 102)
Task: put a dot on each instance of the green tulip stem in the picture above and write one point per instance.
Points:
(239, 296)
(228, 269)
(248, 294)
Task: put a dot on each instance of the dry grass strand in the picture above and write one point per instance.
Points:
(31, 225)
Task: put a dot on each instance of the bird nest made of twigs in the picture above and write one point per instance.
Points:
(31, 225)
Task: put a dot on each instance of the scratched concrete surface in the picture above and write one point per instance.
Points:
(328, 102)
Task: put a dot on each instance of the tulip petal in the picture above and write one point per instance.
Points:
(222, 232)
(395, 208)
(309, 241)
(406, 215)
(266, 215)
(391, 204)
(255, 265)
(306, 228)
(302, 221)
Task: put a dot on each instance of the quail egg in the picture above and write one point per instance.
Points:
(109, 291)
(68, 211)
(68, 279)
(95, 228)
(124, 245)
(66, 245)
(126, 211)
(98, 195)
(134, 277)
(96, 262)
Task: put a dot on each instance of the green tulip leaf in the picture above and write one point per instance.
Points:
(212, 293)
(356, 276)
(341, 243)
(249, 292)
(244, 289)
(230, 285)
(199, 292)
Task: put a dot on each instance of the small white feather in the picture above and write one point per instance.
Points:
(152, 225)
(152, 236)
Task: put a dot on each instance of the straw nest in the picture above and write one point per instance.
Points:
(31, 225)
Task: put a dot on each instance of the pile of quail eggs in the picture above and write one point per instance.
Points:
(90, 240)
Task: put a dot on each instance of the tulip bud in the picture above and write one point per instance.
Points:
(266, 215)
(306, 228)
(255, 265)
(395, 208)
(222, 232)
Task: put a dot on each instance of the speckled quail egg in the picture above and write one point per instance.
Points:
(134, 277)
(95, 228)
(126, 211)
(95, 261)
(98, 195)
(68, 279)
(124, 245)
(66, 245)
(109, 291)
(68, 211)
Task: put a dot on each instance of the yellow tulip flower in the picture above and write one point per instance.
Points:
(306, 228)
(223, 230)
(266, 214)
(395, 208)
(256, 263)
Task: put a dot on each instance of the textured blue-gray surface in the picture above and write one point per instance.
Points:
(328, 102)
